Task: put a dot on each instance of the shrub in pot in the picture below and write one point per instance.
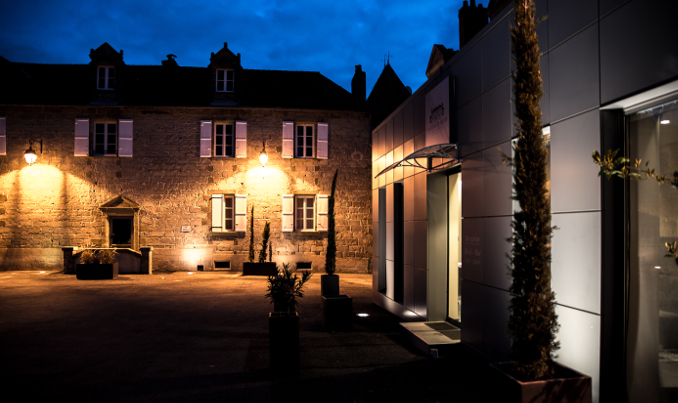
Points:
(533, 374)
(283, 290)
(329, 282)
(97, 264)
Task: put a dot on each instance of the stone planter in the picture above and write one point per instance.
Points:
(338, 313)
(329, 285)
(283, 338)
(259, 269)
(568, 386)
(96, 271)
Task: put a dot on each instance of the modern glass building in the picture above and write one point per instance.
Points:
(442, 212)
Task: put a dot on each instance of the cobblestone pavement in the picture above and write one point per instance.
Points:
(202, 337)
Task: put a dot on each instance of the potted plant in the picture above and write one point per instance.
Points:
(262, 267)
(329, 282)
(97, 264)
(283, 323)
(533, 375)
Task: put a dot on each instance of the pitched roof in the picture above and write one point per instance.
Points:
(387, 94)
(69, 84)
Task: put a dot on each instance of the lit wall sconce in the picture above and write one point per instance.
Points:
(263, 157)
(30, 155)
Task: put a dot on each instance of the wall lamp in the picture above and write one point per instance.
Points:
(263, 157)
(30, 155)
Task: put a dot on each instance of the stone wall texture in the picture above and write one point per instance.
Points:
(55, 202)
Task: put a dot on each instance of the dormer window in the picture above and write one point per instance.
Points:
(225, 80)
(106, 78)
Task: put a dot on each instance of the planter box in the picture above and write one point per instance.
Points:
(96, 271)
(338, 313)
(568, 386)
(259, 269)
(329, 285)
(283, 339)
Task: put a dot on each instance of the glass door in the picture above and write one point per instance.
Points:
(454, 248)
(652, 295)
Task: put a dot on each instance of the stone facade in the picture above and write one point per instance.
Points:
(55, 202)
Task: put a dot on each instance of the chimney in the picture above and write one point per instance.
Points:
(358, 84)
(471, 20)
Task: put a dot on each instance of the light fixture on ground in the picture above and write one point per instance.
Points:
(29, 154)
(263, 157)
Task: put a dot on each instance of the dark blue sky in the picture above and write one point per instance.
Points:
(326, 36)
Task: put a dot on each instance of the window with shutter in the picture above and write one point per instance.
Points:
(3, 135)
(323, 211)
(81, 138)
(125, 137)
(229, 213)
(205, 138)
(288, 140)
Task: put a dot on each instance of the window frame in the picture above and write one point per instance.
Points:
(108, 78)
(225, 81)
(106, 125)
(224, 135)
(224, 218)
(304, 135)
(304, 209)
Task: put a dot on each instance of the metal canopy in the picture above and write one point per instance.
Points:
(446, 151)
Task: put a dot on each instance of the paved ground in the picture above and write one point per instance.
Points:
(203, 337)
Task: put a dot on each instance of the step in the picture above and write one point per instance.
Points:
(432, 338)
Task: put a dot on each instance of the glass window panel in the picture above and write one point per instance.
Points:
(220, 85)
(220, 75)
(229, 74)
(229, 86)
(229, 151)
(99, 127)
(219, 140)
(220, 129)
(229, 129)
(111, 128)
(219, 150)
(309, 131)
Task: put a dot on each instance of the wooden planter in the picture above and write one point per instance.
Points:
(329, 285)
(95, 271)
(283, 338)
(338, 313)
(568, 386)
(259, 269)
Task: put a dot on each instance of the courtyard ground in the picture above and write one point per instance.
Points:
(204, 337)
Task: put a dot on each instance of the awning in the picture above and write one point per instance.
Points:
(446, 151)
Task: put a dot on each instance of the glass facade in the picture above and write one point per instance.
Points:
(652, 293)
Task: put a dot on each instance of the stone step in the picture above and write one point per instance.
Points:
(432, 338)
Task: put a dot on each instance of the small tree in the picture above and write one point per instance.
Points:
(265, 234)
(331, 254)
(533, 322)
(251, 255)
(284, 289)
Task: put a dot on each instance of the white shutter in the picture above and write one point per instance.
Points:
(323, 139)
(81, 138)
(288, 213)
(125, 135)
(3, 135)
(288, 140)
(323, 206)
(240, 139)
(217, 213)
(205, 138)
(240, 213)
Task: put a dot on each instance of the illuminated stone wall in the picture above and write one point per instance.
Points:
(55, 202)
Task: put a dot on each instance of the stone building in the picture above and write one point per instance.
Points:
(168, 157)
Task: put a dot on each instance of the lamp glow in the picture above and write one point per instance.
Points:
(665, 122)
(263, 157)
(29, 155)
